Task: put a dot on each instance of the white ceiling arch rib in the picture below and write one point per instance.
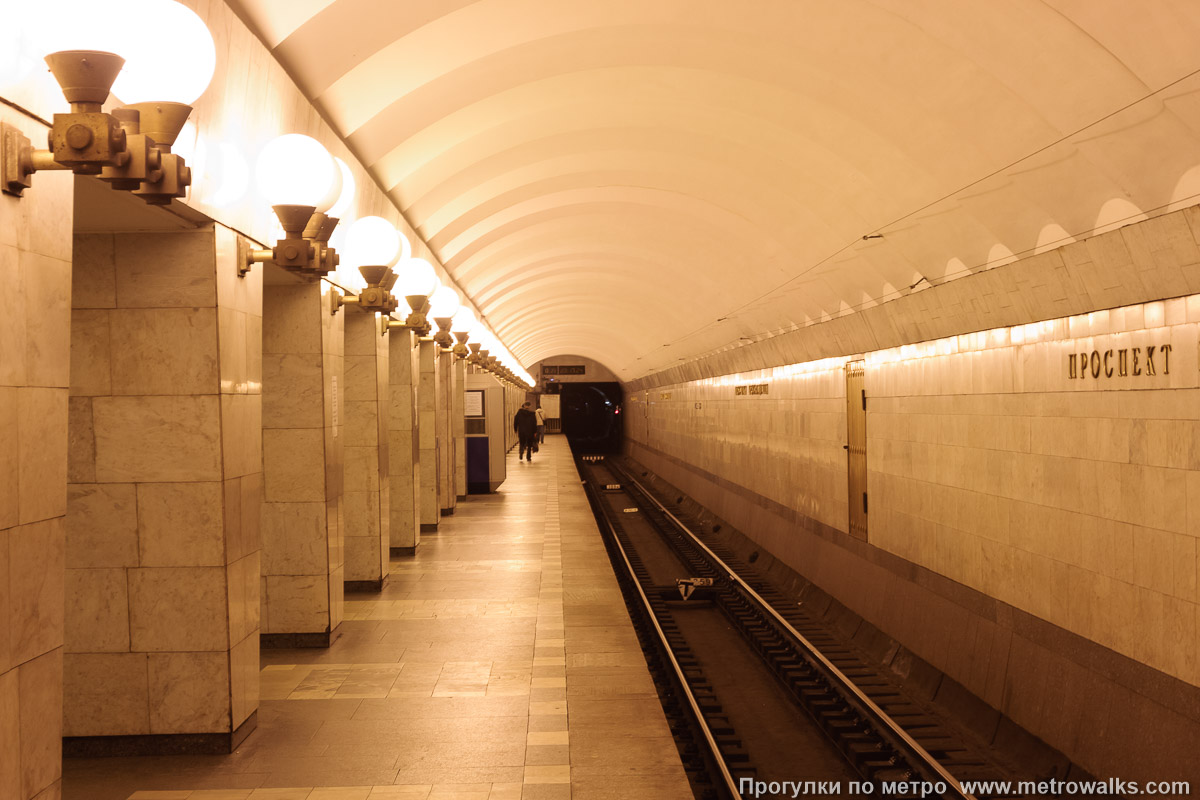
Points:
(609, 179)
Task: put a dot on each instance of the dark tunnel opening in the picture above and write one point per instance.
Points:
(592, 416)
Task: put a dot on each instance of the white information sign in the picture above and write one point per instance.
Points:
(474, 403)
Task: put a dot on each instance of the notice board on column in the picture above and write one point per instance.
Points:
(473, 406)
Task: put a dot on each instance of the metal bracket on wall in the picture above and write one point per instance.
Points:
(16, 174)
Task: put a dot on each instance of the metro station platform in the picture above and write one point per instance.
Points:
(499, 663)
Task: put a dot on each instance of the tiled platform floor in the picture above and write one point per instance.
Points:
(497, 664)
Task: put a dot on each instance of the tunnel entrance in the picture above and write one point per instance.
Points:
(592, 416)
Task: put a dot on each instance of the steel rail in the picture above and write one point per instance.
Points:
(952, 783)
(697, 712)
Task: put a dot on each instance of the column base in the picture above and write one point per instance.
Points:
(404, 551)
(285, 641)
(375, 585)
(447, 512)
(429, 527)
(159, 744)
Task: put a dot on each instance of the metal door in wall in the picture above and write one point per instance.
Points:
(856, 447)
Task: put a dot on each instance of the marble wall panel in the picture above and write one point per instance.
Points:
(94, 272)
(101, 526)
(46, 284)
(251, 487)
(362, 423)
(37, 570)
(97, 611)
(235, 341)
(242, 293)
(189, 692)
(243, 675)
(41, 703)
(109, 694)
(241, 438)
(157, 438)
(181, 524)
(445, 440)
(165, 270)
(294, 538)
(164, 351)
(91, 365)
(293, 465)
(9, 459)
(294, 398)
(367, 407)
(10, 734)
(41, 449)
(6, 641)
(242, 587)
(337, 596)
(362, 469)
(296, 603)
(177, 609)
(81, 443)
(427, 428)
(290, 315)
(404, 483)
(458, 421)
(12, 318)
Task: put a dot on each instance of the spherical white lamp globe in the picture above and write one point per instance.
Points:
(443, 303)
(295, 169)
(346, 197)
(417, 277)
(464, 320)
(372, 242)
(168, 51)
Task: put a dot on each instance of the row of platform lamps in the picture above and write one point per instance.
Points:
(307, 187)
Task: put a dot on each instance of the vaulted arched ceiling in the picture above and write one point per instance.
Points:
(646, 181)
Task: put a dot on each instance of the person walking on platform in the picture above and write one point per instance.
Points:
(525, 424)
(541, 425)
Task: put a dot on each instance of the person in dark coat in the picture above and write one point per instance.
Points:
(525, 424)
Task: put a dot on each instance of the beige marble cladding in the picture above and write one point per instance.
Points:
(35, 332)
(162, 533)
(787, 444)
(404, 451)
(302, 523)
(367, 489)
(427, 410)
(444, 418)
(459, 427)
(993, 462)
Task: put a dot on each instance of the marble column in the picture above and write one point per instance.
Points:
(459, 428)
(35, 309)
(302, 543)
(367, 489)
(447, 494)
(162, 544)
(404, 447)
(427, 412)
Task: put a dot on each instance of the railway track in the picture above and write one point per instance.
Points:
(766, 701)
